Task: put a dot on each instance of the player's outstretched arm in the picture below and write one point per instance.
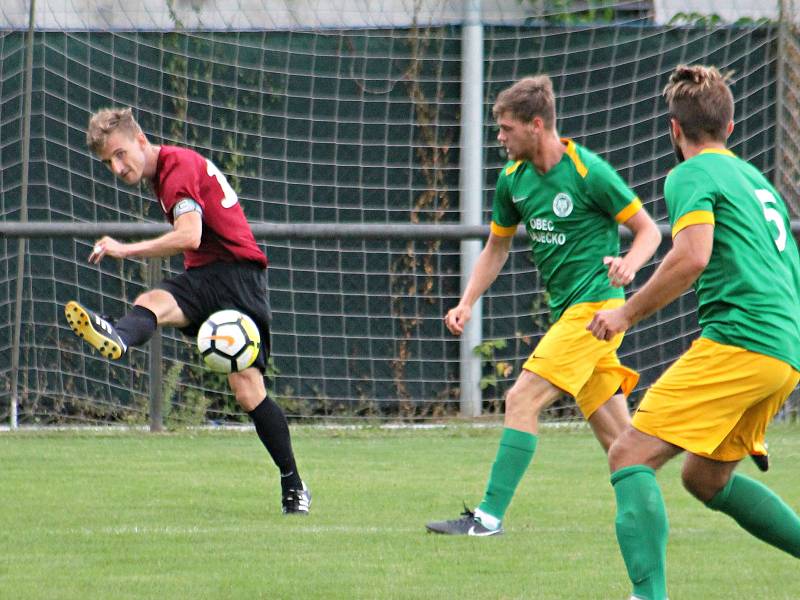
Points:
(646, 238)
(186, 234)
(683, 264)
(490, 262)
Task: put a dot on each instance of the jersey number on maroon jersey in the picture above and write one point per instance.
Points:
(230, 198)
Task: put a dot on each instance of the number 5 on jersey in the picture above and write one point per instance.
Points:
(771, 214)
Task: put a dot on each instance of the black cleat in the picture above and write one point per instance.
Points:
(468, 524)
(296, 502)
(98, 331)
(762, 461)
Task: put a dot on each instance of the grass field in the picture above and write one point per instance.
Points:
(196, 515)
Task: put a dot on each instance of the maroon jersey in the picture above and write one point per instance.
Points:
(183, 174)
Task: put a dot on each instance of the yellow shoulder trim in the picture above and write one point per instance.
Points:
(501, 231)
(572, 152)
(723, 151)
(626, 213)
(696, 217)
(512, 168)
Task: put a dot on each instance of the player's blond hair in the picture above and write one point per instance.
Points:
(528, 98)
(700, 99)
(105, 122)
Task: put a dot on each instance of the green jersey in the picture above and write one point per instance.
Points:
(571, 214)
(749, 294)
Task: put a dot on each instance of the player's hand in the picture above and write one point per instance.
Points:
(608, 323)
(619, 272)
(106, 246)
(457, 317)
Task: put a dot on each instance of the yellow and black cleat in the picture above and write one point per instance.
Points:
(96, 330)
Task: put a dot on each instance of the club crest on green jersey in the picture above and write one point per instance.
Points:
(562, 205)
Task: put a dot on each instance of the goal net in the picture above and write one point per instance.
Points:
(339, 112)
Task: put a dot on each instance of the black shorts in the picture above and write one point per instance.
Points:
(204, 290)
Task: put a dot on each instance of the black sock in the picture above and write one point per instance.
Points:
(137, 326)
(273, 430)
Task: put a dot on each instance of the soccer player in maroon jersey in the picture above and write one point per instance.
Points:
(225, 268)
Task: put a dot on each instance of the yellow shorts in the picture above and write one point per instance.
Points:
(716, 400)
(572, 359)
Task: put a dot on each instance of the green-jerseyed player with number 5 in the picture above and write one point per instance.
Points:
(731, 239)
(572, 203)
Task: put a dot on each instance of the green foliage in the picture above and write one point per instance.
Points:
(206, 396)
(696, 19)
(413, 270)
(496, 368)
(170, 386)
(189, 406)
(574, 12)
(540, 310)
(710, 21)
(750, 22)
(272, 369)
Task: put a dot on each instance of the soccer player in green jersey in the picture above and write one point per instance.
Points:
(731, 239)
(571, 202)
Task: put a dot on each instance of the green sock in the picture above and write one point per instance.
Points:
(642, 530)
(513, 457)
(760, 512)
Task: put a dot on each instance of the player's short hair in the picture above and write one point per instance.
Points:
(700, 99)
(105, 122)
(528, 98)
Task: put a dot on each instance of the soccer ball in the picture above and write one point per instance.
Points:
(229, 341)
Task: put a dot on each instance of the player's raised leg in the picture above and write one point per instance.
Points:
(113, 338)
(754, 506)
(97, 330)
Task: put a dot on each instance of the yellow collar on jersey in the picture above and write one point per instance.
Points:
(723, 151)
(570, 151)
